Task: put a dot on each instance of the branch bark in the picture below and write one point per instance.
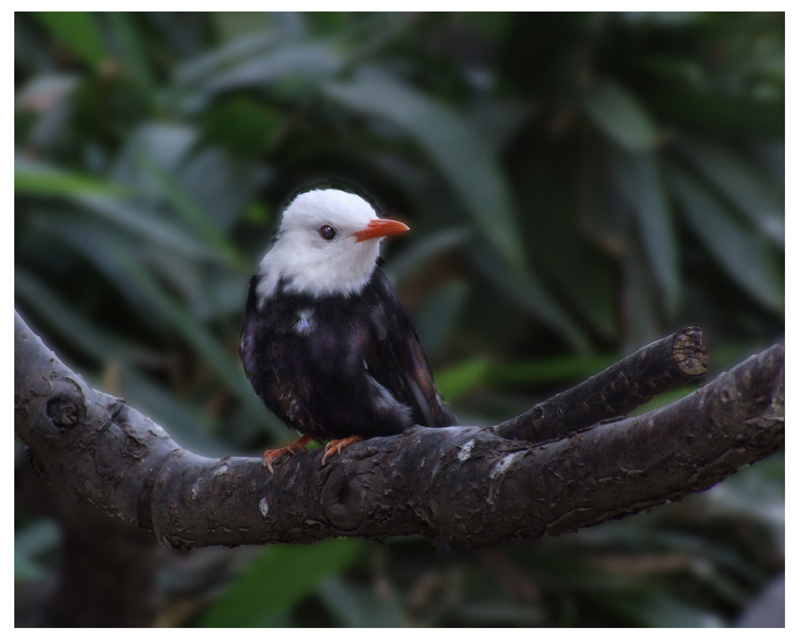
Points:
(666, 364)
(474, 486)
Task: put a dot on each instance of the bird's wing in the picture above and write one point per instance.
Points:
(396, 359)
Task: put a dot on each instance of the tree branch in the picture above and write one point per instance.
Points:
(466, 484)
(666, 364)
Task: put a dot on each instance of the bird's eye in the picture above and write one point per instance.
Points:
(327, 232)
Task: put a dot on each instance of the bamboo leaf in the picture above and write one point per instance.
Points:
(97, 243)
(132, 52)
(719, 112)
(148, 226)
(37, 539)
(548, 371)
(204, 65)
(434, 322)
(304, 61)
(60, 317)
(38, 181)
(420, 253)
(79, 31)
(638, 179)
(456, 381)
(741, 184)
(278, 579)
(530, 294)
(746, 258)
(198, 336)
(621, 116)
(193, 214)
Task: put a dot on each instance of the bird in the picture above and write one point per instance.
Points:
(325, 341)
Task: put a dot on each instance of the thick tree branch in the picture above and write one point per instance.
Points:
(467, 484)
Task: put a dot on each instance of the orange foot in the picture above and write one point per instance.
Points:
(335, 446)
(271, 454)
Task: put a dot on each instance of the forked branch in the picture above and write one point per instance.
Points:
(559, 467)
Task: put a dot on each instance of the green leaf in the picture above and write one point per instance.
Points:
(104, 199)
(60, 317)
(741, 183)
(198, 336)
(456, 381)
(204, 65)
(756, 492)
(132, 51)
(232, 24)
(193, 214)
(167, 144)
(662, 400)
(279, 579)
(621, 116)
(738, 116)
(576, 269)
(420, 253)
(41, 182)
(549, 370)
(148, 226)
(452, 144)
(661, 611)
(78, 30)
(307, 62)
(638, 179)
(567, 258)
(672, 67)
(36, 539)
(641, 302)
(437, 317)
(744, 255)
(222, 183)
(97, 243)
(343, 602)
(242, 125)
(530, 294)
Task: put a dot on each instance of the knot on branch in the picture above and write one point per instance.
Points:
(343, 497)
(63, 412)
(65, 406)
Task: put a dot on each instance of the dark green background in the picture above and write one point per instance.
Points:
(577, 185)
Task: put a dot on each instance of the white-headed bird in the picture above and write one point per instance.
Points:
(326, 343)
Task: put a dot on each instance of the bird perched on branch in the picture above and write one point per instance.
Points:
(326, 343)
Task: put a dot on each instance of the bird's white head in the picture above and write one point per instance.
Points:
(327, 244)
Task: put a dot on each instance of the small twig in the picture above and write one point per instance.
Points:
(665, 364)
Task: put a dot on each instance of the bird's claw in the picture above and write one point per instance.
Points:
(293, 448)
(268, 457)
(336, 446)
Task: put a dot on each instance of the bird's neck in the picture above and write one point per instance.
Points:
(282, 271)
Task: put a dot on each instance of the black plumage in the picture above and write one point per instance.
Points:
(326, 343)
(339, 366)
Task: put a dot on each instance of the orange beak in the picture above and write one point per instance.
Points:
(380, 228)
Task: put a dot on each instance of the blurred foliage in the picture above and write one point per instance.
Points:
(577, 184)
